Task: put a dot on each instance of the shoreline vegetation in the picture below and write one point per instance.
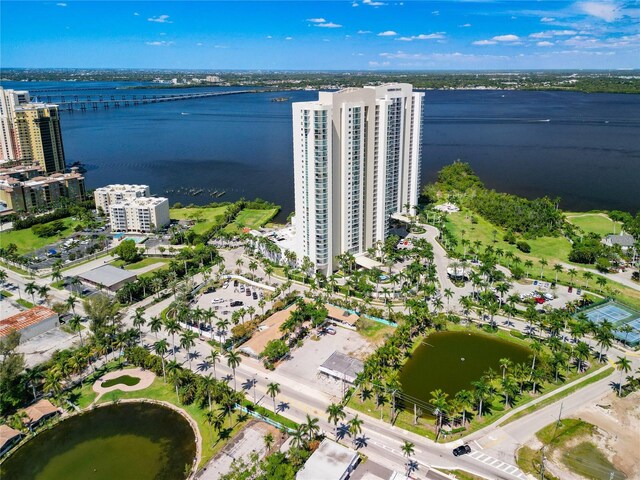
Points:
(593, 81)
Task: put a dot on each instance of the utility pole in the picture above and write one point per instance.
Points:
(560, 414)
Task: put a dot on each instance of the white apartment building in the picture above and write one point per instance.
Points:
(105, 196)
(139, 215)
(356, 162)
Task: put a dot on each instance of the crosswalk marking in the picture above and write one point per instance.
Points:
(495, 463)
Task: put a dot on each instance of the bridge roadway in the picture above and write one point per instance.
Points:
(72, 103)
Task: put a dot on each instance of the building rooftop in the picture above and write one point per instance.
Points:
(107, 275)
(622, 239)
(141, 202)
(341, 315)
(121, 187)
(329, 462)
(7, 434)
(342, 366)
(38, 410)
(23, 320)
(268, 330)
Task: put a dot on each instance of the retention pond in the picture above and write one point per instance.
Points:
(130, 441)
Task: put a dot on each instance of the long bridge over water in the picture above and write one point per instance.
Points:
(71, 103)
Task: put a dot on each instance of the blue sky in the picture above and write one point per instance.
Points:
(322, 35)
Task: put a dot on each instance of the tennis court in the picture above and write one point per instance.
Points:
(619, 315)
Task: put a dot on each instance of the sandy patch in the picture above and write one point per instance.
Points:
(146, 379)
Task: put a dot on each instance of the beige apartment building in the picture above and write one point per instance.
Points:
(118, 193)
(27, 188)
(131, 209)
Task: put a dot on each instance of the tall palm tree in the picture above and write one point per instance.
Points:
(623, 365)
(587, 276)
(558, 269)
(33, 377)
(408, 449)
(174, 369)
(214, 358)
(273, 389)
(161, 347)
(208, 384)
(336, 414)
(172, 327)
(139, 321)
(439, 402)
(311, 427)
(31, 288)
(155, 325)
(233, 361)
(355, 427)
(505, 364)
(543, 263)
(188, 340)
(481, 393)
(76, 326)
(465, 400)
(268, 442)
(71, 303)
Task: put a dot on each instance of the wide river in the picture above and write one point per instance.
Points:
(584, 148)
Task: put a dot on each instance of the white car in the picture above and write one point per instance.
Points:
(225, 285)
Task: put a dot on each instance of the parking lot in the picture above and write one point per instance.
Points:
(221, 300)
(304, 362)
(75, 247)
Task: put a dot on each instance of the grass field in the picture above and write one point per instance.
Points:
(27, 242)
(250, 219)
(145, 262)
(205, 217)
(598, 223)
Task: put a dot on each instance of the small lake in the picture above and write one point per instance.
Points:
(131, 441)
(450, 361)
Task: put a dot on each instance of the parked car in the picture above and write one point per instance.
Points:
(461, 450)
(255, 296)
(330, 330)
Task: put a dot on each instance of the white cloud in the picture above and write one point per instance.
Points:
(362, 32)
(506, 38)
(316, 20)
(354, 4)
(607, 11)
(422, 36)
(329, 25)
(159, 43)
(388, 33)
(465, 25)
(136, 14)
(288, 38)
(484, 42)
(61, 4)
(373, 3)
(435, 12)
(160, 19)
(547, 19)
(269, 36)
(199, 44)
(553, 33)
(545, 44)
(379, 64)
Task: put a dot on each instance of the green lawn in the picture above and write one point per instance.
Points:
(27, 242)
(158, 390)
(25, 303)
(587, 460)
(145, 262)
(598, 223)
(6, 294)
(250, 219)
(205, 217)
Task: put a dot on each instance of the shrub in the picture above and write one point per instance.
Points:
(603, 264)
(48, 229)
(509, 237)
(523, 246)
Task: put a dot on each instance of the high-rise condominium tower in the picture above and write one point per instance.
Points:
(30, 131)
(356, 163)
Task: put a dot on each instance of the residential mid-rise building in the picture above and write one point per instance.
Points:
(139, 215)
(30, 131)
(27, 188)
(356, 163)
(118, 193)
(132, 209)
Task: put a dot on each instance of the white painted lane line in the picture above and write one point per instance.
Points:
(479, 446)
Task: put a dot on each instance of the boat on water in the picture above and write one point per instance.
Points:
(221, 193)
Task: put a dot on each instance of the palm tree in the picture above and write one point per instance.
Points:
(188, 340)
(213, 359)
(408, 449)
(480, 393)
(32, 376)
(558, 269)
(31, 288)
(297, 437)
(355, 427)
(448, 294)
(208, 384)
(336, 414)
(71, 303)
(465, 400)
(139, 321)
(623, 365)
(174, 370)
(572, 274)
(311, 427)
(505, 364)
(601, 282)
(273, 389)
(76, 326)
(155, 325)
(172, 327)
(543, 263)
(268, 442)
(581, 353)
(161, 347)
(233, 360)
(587, 276)
(439, 402)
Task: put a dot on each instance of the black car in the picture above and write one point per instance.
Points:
(461, 450)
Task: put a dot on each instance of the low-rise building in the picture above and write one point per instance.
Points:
(341, 366)
(625, 241)
(331, 461)
(8, 438)
(108, 277)
(30, 323)
(27, 188)
(39, 412)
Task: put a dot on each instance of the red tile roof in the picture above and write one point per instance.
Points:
(26, 319)
(38, 410)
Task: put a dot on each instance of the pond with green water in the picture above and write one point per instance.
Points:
(132, 441)
(450, 361)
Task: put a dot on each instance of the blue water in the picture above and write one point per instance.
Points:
(583, 148)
